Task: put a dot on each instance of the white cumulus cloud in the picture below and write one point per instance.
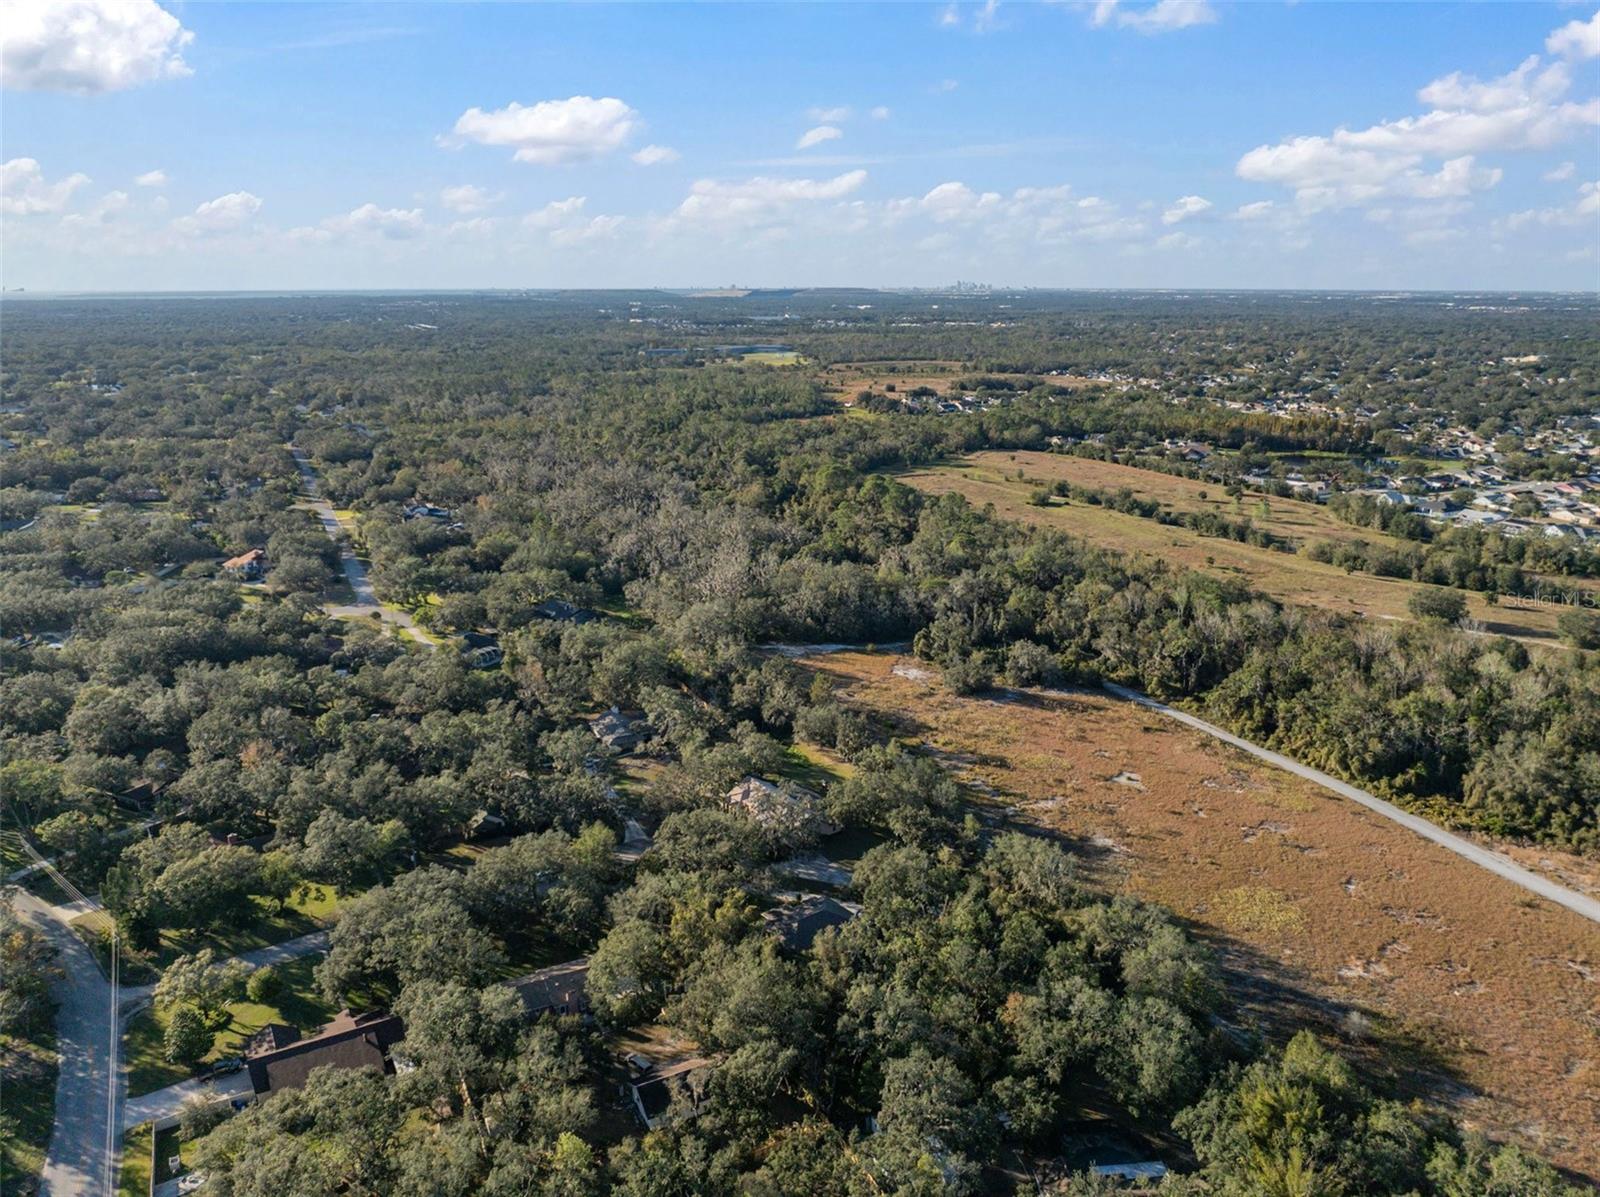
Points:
(655, 155)
(566, 225)
(956, 201)
(1521, 110)
(395, 224)
(24, 189)
(761, 199)
(152, 178)
(1165, 16)
(817, 136)
(1582, 212)
(556, 212)
(1560, 174)
(467, 198)
(1576, 39)
(552, 132)
(220, 215)
(1185, 207)
(596, 228)
(89, 46)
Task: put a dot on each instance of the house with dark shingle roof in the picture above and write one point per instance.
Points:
(797, 924)
(279, 1058)
(559, 989)
(653, 1091)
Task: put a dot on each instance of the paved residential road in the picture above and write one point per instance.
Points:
(1497, 864)
(355, 573)
(86, 1142)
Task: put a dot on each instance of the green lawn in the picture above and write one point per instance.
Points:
(169, 1143)
(301, 1005)
(813, 767)
(30, 1105)
(12, 856)
(460, 855)
(308, 910)
(135, 1178)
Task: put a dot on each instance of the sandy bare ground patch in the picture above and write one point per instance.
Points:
(1468, 991)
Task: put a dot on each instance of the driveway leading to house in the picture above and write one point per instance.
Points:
(1495, 863)
(163, 1103)
(312, 944)
(86, 1141)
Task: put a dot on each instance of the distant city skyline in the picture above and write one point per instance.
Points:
(1176, 144)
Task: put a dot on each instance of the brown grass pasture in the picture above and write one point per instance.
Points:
(986, 478)
(845, 380)
(1462, 988)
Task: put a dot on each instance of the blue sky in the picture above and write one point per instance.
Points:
(1179, 143)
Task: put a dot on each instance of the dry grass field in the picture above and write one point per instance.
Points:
(1464, 989)
(1289, 577)
(847, 379)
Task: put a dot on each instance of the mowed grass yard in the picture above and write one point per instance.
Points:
(299, 1004)
(134, 1179)
(990, 478)
(29, 1066)
(310, 908)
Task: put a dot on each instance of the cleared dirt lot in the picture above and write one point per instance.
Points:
(1288, 577)
(1462, 987)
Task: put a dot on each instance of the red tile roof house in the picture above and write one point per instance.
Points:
(247, 566)
(278, 1058)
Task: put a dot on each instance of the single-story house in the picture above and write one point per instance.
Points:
(562, 611)
(652, 1089)
(416, 509)
(559, 989)
(279, 1058)
(248, 567)
(620, 731)
(141, 796)
(481, 650)
(780, 808)
(797, 924)
(483, 825)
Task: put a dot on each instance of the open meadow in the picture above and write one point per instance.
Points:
(1456, 984)
(991, 478)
